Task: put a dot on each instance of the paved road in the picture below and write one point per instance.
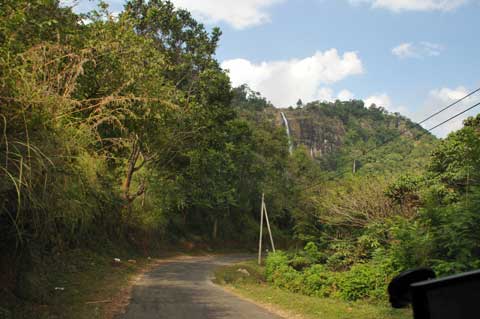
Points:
(183, 290)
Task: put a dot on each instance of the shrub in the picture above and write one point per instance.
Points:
(361, 281)
(281, 274)
(318, 281)
(307, 257)
(343, 255)
(311, 252)
(411, 244)
(366, 281)
(287, 278)
(273, 262)
(300, 263)
(358, 282)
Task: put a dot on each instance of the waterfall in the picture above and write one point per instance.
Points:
(285, 121)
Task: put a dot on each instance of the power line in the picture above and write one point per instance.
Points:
(423, 121)
(423, 133)
(449, 106)
(454, 117)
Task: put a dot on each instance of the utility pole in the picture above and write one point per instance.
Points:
(261, 232)
(262, 212)
(268, 226)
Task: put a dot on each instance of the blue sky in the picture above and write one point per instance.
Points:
(411, 56)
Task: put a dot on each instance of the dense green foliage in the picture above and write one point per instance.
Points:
(126, 129)
(252, 285)
(396, 224)
(312, 278)
(344, 131)
(123, 123)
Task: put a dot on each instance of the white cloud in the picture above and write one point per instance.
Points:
(240, 14)
(440, 98)
(436, 100)
(403, 50)
(419, 50)
(283, 82)
(324, 94)
(328, 95)
(431, 49)
(413, 5)
(384, 100)
(345, 95)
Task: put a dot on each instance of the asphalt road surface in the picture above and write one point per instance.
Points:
(183, 290)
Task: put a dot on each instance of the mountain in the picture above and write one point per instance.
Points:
(337, 134)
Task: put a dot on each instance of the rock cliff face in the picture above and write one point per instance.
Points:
(327, 128)
(320, 136)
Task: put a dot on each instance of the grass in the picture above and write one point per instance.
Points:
(79, 284)
(254, 287)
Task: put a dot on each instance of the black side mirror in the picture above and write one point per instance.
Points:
(399, 288)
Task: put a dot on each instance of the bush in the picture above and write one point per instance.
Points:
(287, 278)
(307, 257)
(311, 252)
(343, 255)
(300, 263)
(366, 281)
(358, 282)
(281, 274)
(411, 244)
(362, 281)
(318, 281)
(273, 262)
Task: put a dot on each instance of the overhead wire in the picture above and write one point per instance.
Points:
(424, 120)
(421, 134)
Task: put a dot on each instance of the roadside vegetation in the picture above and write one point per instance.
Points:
(79, 284)
(250, 281)
(121, 133)
(427, 220)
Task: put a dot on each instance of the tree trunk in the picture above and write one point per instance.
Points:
(131, 169)
(215, 228)
(132, 161)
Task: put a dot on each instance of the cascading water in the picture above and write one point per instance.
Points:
(285, 121)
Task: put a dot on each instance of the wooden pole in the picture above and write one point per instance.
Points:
(354, 166)
(261, 230)
(268, 226)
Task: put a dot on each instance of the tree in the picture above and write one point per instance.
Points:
(299, 104)
(188, 47)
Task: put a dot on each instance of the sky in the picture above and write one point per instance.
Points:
(409, 56)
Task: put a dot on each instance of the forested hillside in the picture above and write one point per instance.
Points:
(124, 130)
(372, 228)
(338, 133)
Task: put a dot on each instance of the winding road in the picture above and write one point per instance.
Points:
(183, 289)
